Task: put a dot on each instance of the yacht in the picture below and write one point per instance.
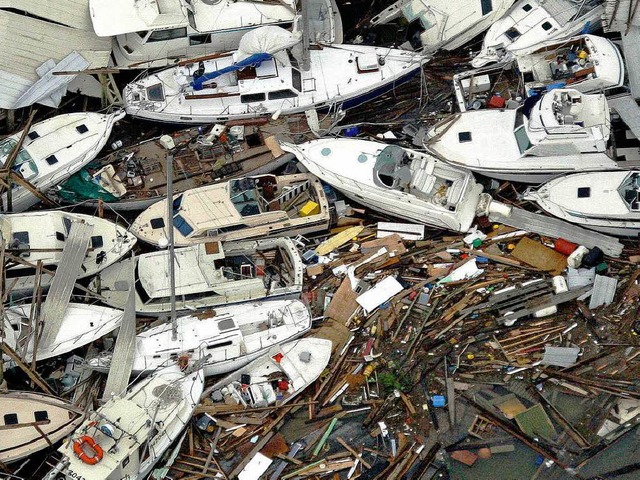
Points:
(529, 23)
(562, 131)
(52, 151)
(128, 435)
(605, 201)
(396, 181)
(41, 236)
(264, 78)
(232, 335)
(206, 275)
(442, 24)
(252, 207)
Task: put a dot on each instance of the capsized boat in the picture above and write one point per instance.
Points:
(151, 34)
(41, 236)
(53, 150)
(134, 178)
(263, 77)
(400, 182)
(562, 131)
(605, 201)
(276, 377)
(586, 63)
(529, 23)
(22, 412)
(232, 335)
(436, 24)
(243, 208)
(127, 435)
(81, 325)
(206, 275)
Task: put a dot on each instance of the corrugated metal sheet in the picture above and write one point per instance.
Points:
(628, 110)
(74, 13)
(630, 44)
(560, 356)
(604, 289)
(32, 42)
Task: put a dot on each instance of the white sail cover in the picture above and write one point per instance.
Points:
(268, 39)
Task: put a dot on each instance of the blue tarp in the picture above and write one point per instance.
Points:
(254, 60)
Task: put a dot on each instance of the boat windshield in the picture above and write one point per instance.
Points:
(245, 197)
(520, 133)
(7, 146)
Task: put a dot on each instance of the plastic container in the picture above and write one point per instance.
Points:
(564, 247)
(593, 258)
(575, 259)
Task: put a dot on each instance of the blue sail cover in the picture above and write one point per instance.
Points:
(254, 60)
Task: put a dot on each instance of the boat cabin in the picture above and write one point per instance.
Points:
(629, 190)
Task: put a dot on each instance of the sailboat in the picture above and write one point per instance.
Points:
(264, 77)
(53, 150)
(127, 436)
(531, 22)
(232, 335)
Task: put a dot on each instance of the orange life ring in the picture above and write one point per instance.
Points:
(82, 455)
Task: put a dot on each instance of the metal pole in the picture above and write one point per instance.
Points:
(306, 60)
(172, 273)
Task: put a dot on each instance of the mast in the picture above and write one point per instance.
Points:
(172, 273)
(306, 59)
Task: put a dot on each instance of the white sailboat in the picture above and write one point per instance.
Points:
(53, 150)
(127, 436)
(81, 325)
(563, 131)
(252, 207)
(41, 236)
(605, 201)
(442, 23)
(388, 178)
(232, 335)
(263, 77)
(22, 414)
(276, 377)
(206, 275)
(531, 22)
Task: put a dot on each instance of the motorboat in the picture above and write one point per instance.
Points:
(135, 177)
(52, 151)
(276, 377)
(441, 24)
(129, 434)
(243, 208)
(528, 23)
(206, 275)
(32, 422)
(586, 63)
(232, 335)
(264, 78)
(404, 183)
(41, 237)
(81, 324)
(607, 201)
(149, 34)
(562, 131)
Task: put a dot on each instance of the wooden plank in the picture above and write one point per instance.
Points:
(37, 379)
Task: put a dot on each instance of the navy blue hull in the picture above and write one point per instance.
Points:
(366, 97)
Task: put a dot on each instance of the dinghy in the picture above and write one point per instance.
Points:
(232, 336)
(206, 275)
(53, 150)
(127, 436)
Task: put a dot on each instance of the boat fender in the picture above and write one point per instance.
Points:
(82, 455)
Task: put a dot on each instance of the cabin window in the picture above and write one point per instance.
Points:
(41, 416)
(546, 26)
(155, 93)
(97, 241)
(254, 97)
(527, 7)
(512, 33)
(157, 223)
(33, 135)
(464, 137)
(11, 419)
(584, 192)
(486, 6)
(200, 39)
(169, 34)
(522, 139)
(232, 228)
(296, 79)
(218, 345)
(67, 224)
(182, 225)
(82, 128)
(279, 94)
(142, 34)
(126, 461)
(20, 237)
(51, 159)
(386, 179)
(60, 236)
(226, 324)
(177, 203)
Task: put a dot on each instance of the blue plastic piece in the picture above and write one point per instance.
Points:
(351, 131)
(439, 401)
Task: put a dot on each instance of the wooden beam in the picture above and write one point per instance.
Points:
(37, 379)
